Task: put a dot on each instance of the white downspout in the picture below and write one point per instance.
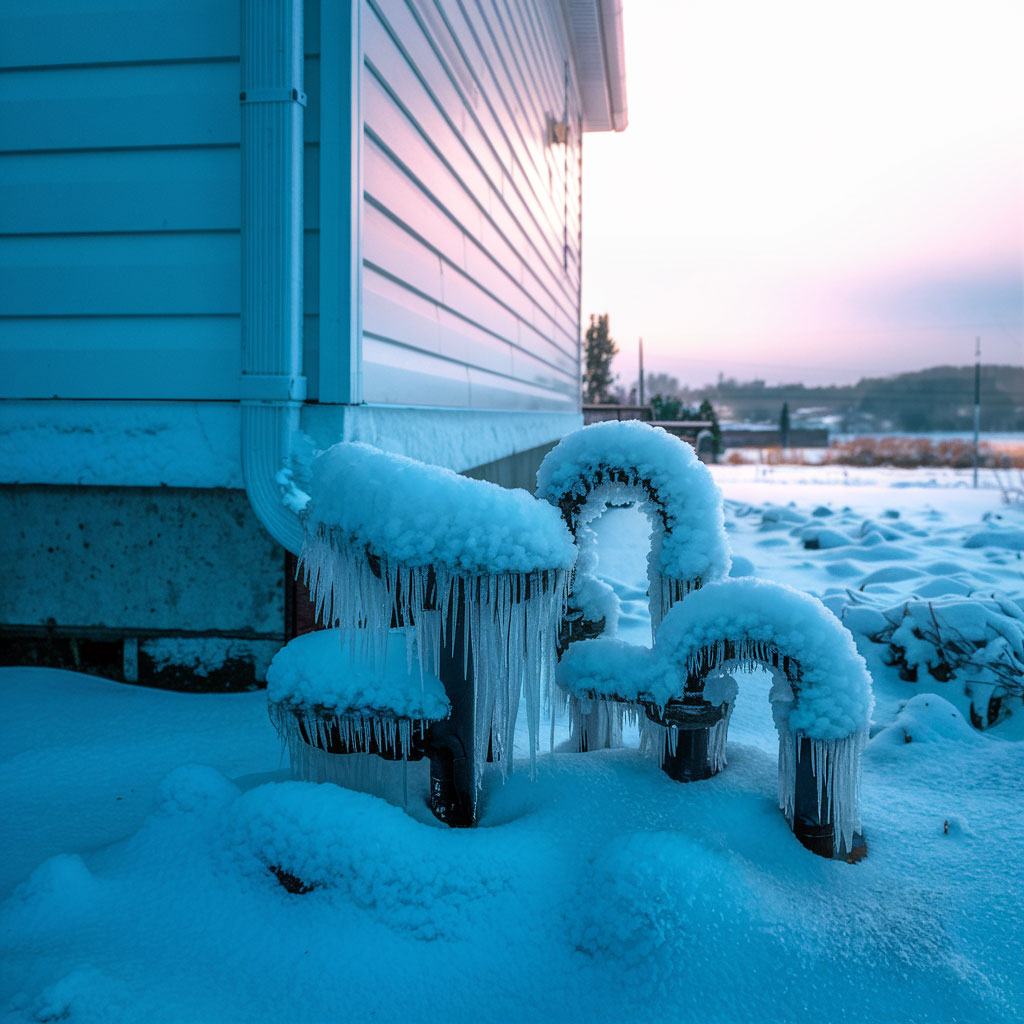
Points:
(272, 385)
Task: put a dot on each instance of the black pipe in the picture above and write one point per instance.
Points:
(450, 743)
(814, 827)
(690, 762)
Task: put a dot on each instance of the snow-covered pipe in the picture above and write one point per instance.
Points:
(272, 385)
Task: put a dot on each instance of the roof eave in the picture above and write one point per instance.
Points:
(595, 30)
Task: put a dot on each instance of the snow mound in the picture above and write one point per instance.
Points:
(1011, 540)
(195, 789)
(822, 537)
(742, 567)
(979, 638)
(659, 893)
(327, 670)
(418, 514)
(927, 718)
(346, 846)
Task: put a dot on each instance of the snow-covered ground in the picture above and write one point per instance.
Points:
(138, 826)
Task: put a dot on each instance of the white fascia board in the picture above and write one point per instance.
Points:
(595, 31)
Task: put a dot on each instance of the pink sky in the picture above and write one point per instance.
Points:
(812, 191)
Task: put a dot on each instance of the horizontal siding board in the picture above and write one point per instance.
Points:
(129, 275)
(398, 375)
(130, 191)
(466, 343)
(394, 251)
(490, 391)
(394, 374)
(413, 68)
(134, 106)
(392, 313)
(52, 32)
(120, 198)
(139, 357)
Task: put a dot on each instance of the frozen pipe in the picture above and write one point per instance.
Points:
(450, 743)
(272, 385)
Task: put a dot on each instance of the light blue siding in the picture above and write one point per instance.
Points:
(119, 198)
(471, 220)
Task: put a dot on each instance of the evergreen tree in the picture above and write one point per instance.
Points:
(600, 350)
(784, 424)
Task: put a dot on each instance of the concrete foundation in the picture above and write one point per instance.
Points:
(177, 587)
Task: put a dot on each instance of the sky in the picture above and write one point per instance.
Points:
(811, 191)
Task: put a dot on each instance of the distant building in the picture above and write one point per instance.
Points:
(232, 237)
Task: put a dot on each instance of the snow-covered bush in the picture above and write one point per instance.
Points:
(977, 640)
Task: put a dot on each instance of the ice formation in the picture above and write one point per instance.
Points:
(823, 692)
(323, 691)
(463, 562)
(622, 462)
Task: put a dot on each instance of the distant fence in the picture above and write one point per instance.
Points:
(689, 429)
(799, 438)
(599, 413)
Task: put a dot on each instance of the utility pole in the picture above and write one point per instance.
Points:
(977, 403)
(640, 390)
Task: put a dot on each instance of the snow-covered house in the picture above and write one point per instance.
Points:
(231, 235)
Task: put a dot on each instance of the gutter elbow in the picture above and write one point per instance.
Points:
(267, 433)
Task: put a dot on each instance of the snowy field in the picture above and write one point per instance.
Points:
(136, 820)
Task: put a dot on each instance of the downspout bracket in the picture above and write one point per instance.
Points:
(280, 95)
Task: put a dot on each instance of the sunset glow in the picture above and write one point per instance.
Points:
(812, 192)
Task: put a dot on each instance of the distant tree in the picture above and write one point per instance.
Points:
(600, 350)
(664, 407)
(784, 424)
(707, 412)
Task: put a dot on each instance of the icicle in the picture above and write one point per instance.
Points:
(596, 724)
(511, 621)
(835, 764)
